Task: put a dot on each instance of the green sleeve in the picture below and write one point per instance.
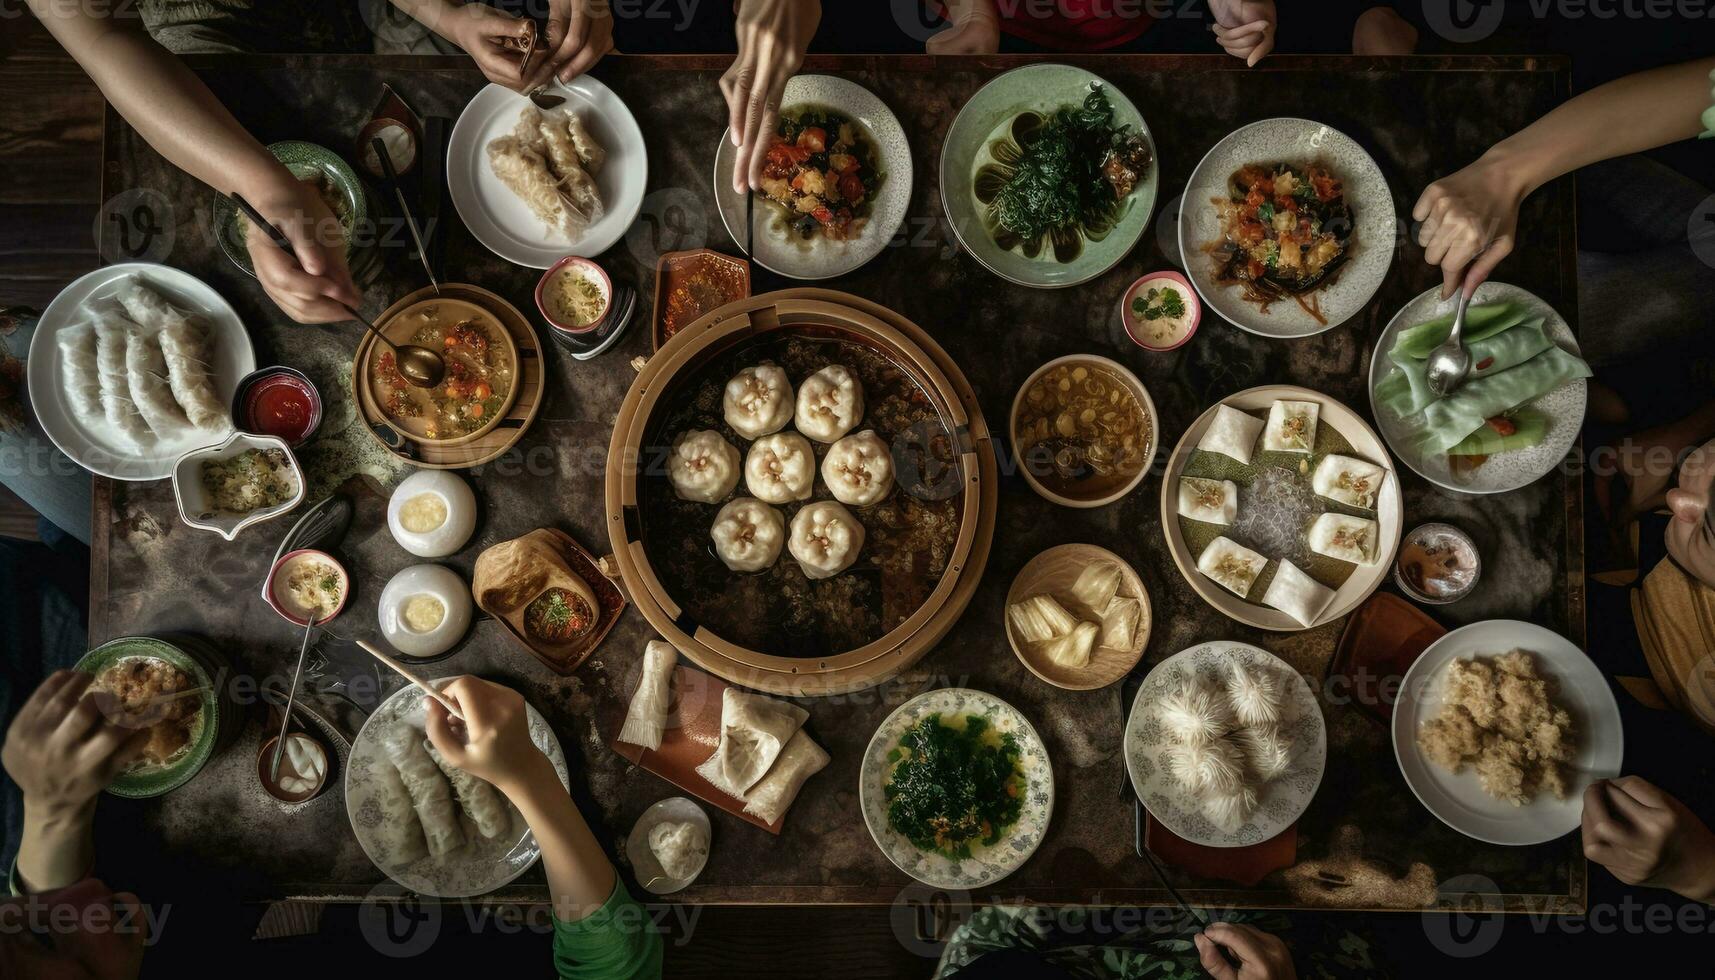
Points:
(616, 942)
(1709, 113)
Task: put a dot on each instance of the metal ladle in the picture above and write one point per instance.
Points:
(420, 366)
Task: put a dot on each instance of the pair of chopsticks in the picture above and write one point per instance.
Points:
(405, 672)
(284, 244)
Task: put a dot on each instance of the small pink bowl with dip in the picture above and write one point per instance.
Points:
(558, 294)
(306, 568)
(1164, 333)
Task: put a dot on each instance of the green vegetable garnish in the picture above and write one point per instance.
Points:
(1058, 181)
(1158, 303)
(952, 787)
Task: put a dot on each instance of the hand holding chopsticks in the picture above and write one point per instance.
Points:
(305, 273)
(405, 672)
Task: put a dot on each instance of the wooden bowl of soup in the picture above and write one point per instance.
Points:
(1084, 430)
(482, 376)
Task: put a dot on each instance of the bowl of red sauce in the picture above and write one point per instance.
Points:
(280, 402)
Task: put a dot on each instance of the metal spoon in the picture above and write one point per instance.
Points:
(1451, 362)
(418, 365)
(543, 100)
(291, 696)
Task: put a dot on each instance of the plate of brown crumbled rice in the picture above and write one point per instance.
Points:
(1500, 726)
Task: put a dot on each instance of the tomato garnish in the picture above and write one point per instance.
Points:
(1503, 425)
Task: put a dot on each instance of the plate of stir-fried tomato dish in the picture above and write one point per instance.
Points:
(836, 180)
(1287, 228)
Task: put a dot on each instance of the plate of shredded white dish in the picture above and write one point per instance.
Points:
(867, 157)
(430, 827)
(1525, 716)
(1225, 744)
(507, 161)
(135, 364)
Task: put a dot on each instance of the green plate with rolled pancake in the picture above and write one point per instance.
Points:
(154, 685)
(1263, 550)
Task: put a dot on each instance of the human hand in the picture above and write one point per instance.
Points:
(493, 743)
(1646, 837)
(1244, 28)
(62, 751)
(1260, 955)
(580, 32)
(496, 40)
(973, 28)
(86, 932)
(1468, 221)
(772, 38)
(310, 284)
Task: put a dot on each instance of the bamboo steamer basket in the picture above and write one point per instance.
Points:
(852, 319)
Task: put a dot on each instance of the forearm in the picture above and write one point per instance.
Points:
(163, 100)
(580, 877)
(57, 848)
(1628, 115)
(436, 15)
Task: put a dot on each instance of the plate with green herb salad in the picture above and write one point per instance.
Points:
(1048, 176)
(956, 788)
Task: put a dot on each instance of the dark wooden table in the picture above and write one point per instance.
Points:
(1364, 843)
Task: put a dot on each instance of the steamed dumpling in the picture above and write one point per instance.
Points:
(858, 469)
(830, 403)
(825, 539)
(1350, 481)
(703, 466)
(757, 401)
(748, 535)
(1232, 564)
(1291, 427)
(1231, 433)
(1345, 538)
(1210, 501)
(781, 468)
(1297, 594)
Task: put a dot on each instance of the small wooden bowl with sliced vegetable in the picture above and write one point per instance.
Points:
(1051, 637)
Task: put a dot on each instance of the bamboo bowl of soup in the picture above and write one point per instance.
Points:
(1084, 430)
(482, 376)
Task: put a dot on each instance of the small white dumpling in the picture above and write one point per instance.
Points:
(1350, 481)
(1291, 427)
(1231, 433)
(1297, 594)
(1255, 693)
(830, 403)
(748, 535)
(1344, 538)
(757, 401)
(703, 466)
(1209, 501)
(825, 539)
(859, 469)
(1232, 564)
(780, 468)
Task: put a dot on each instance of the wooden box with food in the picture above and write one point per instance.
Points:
(550, 595)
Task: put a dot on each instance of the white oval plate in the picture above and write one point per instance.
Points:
(987, 865)
(503, 222)
(1389, 512)
(482, 865)
(774, 246)
(1564, 406)
(1459, 800)
(89, 448)
(644, 865)
(1280, 802)
(1295, 141)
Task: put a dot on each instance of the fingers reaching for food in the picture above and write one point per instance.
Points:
(772, 38)
(580, 32)
(1468, 220)
(494, 743)
(1646, 837)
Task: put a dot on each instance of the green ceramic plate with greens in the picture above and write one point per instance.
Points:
(317, 166)
(1048, 176)
(146, 779)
